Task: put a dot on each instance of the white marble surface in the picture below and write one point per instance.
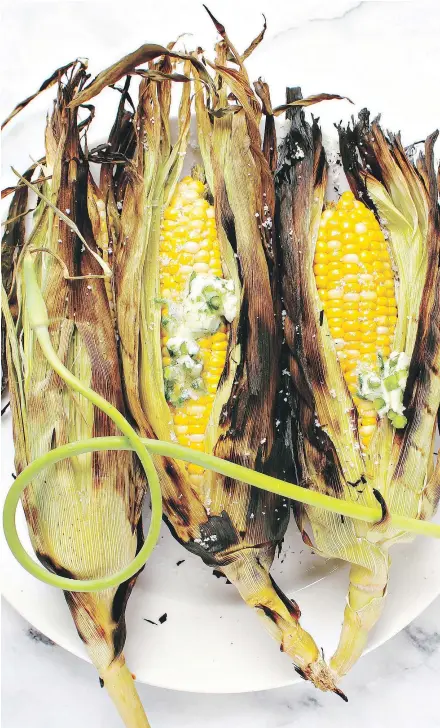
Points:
(384, 55)
(45, 687)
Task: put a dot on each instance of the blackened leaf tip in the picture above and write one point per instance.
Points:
(219, 27)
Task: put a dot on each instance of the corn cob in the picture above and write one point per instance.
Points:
(394, 461)
(188, 247)
(355, 282)
(67, 508)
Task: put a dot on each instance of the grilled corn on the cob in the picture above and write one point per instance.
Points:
(195, 370)
(368, 418)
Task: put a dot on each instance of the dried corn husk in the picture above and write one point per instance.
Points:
(83, 514)
(398, 466)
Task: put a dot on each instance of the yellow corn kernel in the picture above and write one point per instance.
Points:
(196, 437)
(334, 312)
(181, 429)
(321, 282)
(205, 343)
(186, 258)
(196, 429)
(334, 271)
(220, 346)
(321, 259)
(198, 446)
(352, 337)
(218, 358)
(348, 325)
(348, 365)
(210, 377)
(368, 347)
(171, 213)
(364, 410)
(205, 399)
(195, 469)
(355, 282)
(199, 422)
(351, 377)
(338, 322)
(352, 284)
(367, 429)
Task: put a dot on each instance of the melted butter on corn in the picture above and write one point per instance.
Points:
(189, 245)
(355, 282)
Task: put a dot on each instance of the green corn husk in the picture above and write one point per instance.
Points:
(398, 467)
(83, 514)
(231, 526)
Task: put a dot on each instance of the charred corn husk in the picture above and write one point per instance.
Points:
(83, 514)
(195, 276)
(367, 398)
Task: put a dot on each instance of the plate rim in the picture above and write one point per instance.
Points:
(65, 643)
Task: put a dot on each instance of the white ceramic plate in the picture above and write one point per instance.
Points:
(211, 642)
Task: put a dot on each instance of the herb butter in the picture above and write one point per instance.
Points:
(208, 301)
